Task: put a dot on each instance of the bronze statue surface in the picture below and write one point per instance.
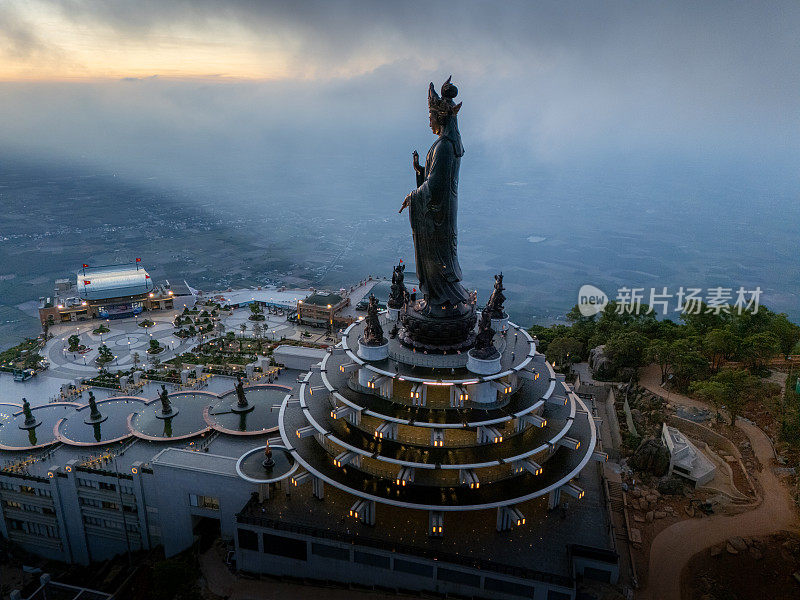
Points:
(373, 332)
(495, 305)
(443, 319)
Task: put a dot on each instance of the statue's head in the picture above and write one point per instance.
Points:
(442, 108)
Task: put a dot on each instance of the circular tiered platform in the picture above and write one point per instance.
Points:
(187, 421)
(422, 431)
(14, 435)
(74, 429)
(266, 400)
(251, 467)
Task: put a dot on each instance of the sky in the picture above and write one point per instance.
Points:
(560, 79)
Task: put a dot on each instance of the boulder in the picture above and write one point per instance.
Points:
(660, 514)
(650, 516)
(716, 551)
(738, 543)
(651, 456)
(755, 553)
(731, 549)
(599, 363)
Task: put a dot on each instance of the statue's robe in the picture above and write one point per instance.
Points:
(432, 211)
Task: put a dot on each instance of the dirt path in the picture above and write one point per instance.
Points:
(673, 547)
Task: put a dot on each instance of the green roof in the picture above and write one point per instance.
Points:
(323, 299)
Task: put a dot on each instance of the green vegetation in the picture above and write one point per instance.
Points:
(146, 323)
(692, 350)
(257, 313)
(101, 329)
(155, 347)
(721, 358)
(74, 343)
(22, 356)
(104, 355)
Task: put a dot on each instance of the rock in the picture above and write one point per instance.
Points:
(731, 549)
(671, 487)
(634, 502)
(652, 498)
(659, 514)
(637, 493)
(737, 543)
(638, 518)
(755, 553)
(651, 457)
(716, 551)
(599, 363)
(649, 516)
(690, 511)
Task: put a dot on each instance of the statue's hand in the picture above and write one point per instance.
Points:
(415, 162)
(406, 203)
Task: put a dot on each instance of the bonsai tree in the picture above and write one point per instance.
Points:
(104, 355)
(74, 343)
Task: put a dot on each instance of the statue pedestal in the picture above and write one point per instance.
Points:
(168, 415)
(30, 425)
(242, 409)
(483, 366)
(393, 313)
(500, 325)
(95, 420)
(438, 334)
(373, 352)
(482, 393)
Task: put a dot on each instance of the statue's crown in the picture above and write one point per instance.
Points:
(443, 105)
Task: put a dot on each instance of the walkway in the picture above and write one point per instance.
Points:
(673, 547)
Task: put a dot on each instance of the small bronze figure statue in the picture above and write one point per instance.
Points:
(242, 399)
(167, 410)
(398, 294)
(373, 332)
(30, 421)
(497, 299)
(166, 406)
(484, 343)
(95, 418)
(268, 461)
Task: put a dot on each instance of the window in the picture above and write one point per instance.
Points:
(284, 546)
(373, 560)
(109, 505)
(412, 568)
(330, 551)
(508, 587)
(89, 502)
(109, 487)
(458, 577)
(4, 485)
(248, 539)
(12, 504)
(207, 502)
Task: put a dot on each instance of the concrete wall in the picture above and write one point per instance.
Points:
(175, 485)
(327, 559)
(295, 357)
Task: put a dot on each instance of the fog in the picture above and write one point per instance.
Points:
(674, 126)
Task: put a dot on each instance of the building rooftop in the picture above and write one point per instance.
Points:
(196, 461)
(323, 299)
(113, 281)
(274, 296)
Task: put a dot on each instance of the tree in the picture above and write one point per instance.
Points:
(243, 327)
(74, 343)
(564, 349)
(258, 330)
(136, 358)
(730, 388)
(718, 345)
(758, 349)
(660, 352)
(626, 349)
(155, 346)
(104, 354)
(787, 333)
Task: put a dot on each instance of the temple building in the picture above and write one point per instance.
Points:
(110, 292)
